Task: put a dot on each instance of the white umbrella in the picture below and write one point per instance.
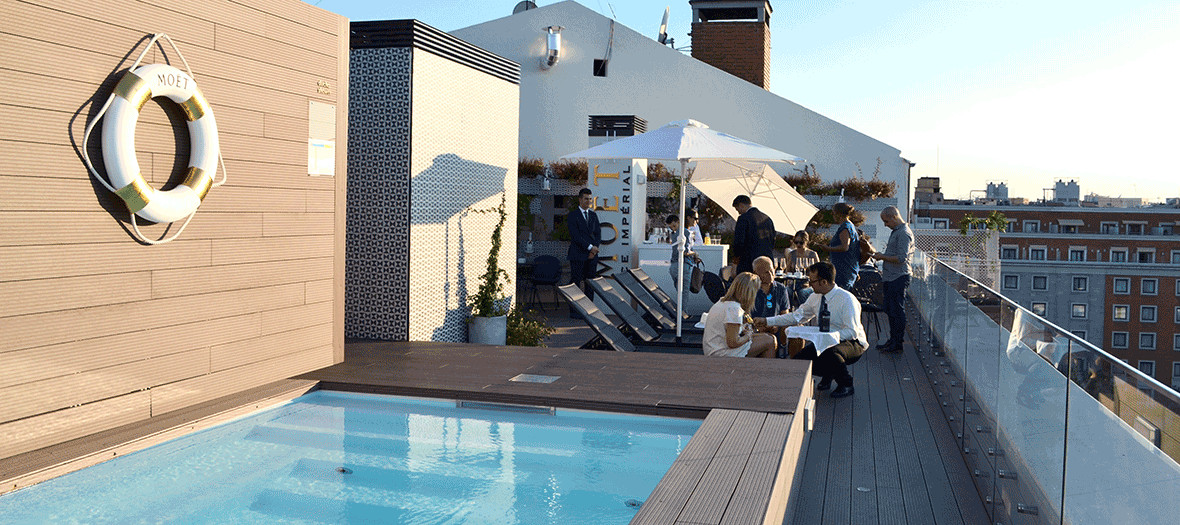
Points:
(686, 141)
(723, 180)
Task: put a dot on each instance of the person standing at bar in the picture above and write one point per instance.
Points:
(753, 235)
(585, 237)
(895, 272)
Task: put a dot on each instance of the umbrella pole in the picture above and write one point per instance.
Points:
(683, 246)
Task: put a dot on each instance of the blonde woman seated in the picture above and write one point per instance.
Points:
(727, 332)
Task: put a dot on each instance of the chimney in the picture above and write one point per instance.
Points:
(734, 36)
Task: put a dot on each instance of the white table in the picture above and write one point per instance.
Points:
(821, 340)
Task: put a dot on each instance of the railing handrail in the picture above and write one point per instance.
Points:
(1115, 361)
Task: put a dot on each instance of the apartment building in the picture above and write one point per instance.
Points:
(1110, 275)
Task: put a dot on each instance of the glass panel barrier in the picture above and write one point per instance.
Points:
(1054, 429)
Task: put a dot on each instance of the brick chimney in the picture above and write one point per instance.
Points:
(734, 36)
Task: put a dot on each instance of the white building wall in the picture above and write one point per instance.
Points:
(660, 85)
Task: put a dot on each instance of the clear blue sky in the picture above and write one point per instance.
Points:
(1019, 91)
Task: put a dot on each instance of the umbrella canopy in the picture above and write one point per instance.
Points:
(685, 141)
(721, 181)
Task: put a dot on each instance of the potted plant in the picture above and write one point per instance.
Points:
(527, 329)
(489, 319)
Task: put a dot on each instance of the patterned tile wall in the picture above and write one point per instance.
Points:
(377, 266)
(465, 147)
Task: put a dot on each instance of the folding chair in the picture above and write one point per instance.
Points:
(870, 291)
(653, 312)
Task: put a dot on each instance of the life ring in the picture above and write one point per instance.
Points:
(118, 143)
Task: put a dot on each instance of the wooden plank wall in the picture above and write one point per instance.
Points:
(98, 330)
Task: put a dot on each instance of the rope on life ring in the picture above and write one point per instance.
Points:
(135, 88)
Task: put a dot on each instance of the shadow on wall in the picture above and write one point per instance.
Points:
(447, 194)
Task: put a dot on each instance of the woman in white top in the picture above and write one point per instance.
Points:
(727, 333)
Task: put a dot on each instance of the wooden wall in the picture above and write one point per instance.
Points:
(98, 330)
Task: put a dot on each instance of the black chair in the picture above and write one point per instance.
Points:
(665, 301)
(607, 336)
(546, 272)
(714, 288)
(634, 325)
(870, 291)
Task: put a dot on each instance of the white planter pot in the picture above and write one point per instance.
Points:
(488, 330)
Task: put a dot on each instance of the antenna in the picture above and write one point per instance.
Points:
(663, 38)
(525, 5)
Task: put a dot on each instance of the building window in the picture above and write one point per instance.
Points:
(1122, 285)
(1176, 342)
(1120, 312)
(1077, 254)
(1178, 315)
(942, 224)
(1078, 310)
(1080, 284)
(1031, 226)
(1145, 255)
(1080, 333)
(1011, 282)
(1135, 228)
(1175, 256)
(1176, 375)
(1118, 339)
(600, 67)
(1109, 228)
(1039, 308)
(1118, 255)
(1008, 252)
(1178, 287)
(1147, 367)
(1008, 226)
(1036, 254)
(1069, 228)
(1148, 287)
(1147, 314)
(1040, 282)
(1147, 340)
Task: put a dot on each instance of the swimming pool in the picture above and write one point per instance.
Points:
(333, 457)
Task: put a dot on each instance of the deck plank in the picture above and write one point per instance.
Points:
(864, 504)
(888, 478)
(913, 485)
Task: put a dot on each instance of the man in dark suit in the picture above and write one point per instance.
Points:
(585, 237)
(753, 236)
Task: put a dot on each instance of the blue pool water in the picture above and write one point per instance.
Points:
(331, 457)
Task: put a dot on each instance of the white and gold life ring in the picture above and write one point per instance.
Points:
(118, 143)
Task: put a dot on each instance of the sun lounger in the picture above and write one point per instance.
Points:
(634, 324)
(607, 335)
(653, 312)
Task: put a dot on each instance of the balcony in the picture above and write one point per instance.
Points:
(1052, 428)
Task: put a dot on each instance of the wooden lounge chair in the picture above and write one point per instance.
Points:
(608, 337)
(634, 325)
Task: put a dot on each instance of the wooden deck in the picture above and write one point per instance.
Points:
(886, 457)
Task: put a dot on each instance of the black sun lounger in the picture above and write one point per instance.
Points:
(608, 336)
(654, 289)
(651, 310)
(634, 324)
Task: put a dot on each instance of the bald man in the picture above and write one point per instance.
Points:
(896, 273)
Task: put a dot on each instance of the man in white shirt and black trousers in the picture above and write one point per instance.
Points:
(844, 314)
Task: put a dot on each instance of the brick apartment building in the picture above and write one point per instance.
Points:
(1110, 275)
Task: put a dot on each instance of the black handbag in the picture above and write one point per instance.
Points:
(697, 279)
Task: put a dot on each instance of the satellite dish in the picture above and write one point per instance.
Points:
(663, 38)
(524, 6)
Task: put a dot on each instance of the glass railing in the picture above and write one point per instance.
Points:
(1053, 429)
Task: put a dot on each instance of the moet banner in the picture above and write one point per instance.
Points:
(620, 200)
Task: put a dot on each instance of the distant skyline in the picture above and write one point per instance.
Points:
(1016, 91)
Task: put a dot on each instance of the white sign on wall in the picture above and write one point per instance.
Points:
(620, 200)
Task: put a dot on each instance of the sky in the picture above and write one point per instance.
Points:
(1025, 92)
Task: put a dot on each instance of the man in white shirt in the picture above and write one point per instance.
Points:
(844, 310)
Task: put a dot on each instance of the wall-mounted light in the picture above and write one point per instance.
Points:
(552, 47)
